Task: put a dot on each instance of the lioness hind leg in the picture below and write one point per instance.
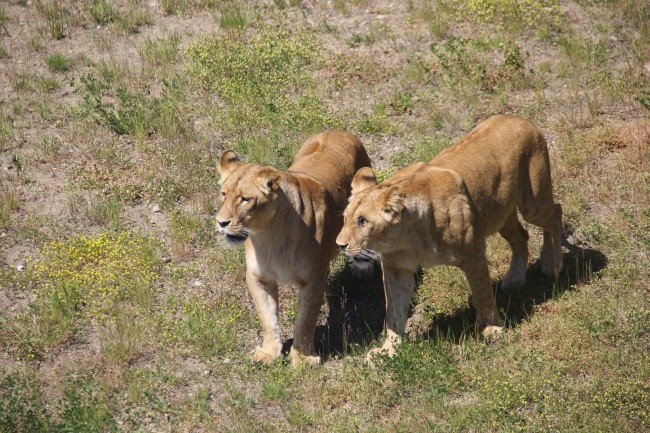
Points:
(551, 256)
(537, 207)
(478, 277)
(549, 218)
(265, 298)
(517, 236)
(310, 298)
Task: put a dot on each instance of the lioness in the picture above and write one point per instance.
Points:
(441, 213)
(288, 222)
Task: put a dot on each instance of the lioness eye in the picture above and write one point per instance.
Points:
(361, 221)
(245, 199)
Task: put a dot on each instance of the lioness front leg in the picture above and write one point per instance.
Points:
(478, 277)
(398, 287)
(265, 298)
(310, 299)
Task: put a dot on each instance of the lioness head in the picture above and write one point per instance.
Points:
(371, 218)
(248, 193)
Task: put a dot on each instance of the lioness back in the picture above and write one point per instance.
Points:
(502, 154)
(332, 158)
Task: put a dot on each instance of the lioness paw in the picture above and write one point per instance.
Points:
(379, 352)
(492, 333)
(514, 280)
(299, 359)
(265, 356)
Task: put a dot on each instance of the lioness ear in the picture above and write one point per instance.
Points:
(393, 202)
(267, 180)
(364, 178)
(228, 162)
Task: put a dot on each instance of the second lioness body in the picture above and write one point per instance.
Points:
(441, 213)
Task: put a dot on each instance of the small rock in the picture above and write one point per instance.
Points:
(156, 209)
(20, 268)
(198, 283)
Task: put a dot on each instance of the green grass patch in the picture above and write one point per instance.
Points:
(233, 17)
(160, 52)
(133, 112)
(85, 406)
(173, 7)
(420, 149)
(4, 17)
(463, 62)
(58, 63)
(82, 278)
(511, 14)
(204, 327)
(9, 202)
(629, 397)
(264, 87)
(136, 16)
(422, 365)
(6, 129)
(21, 404)
(56, 17)
(102, 12)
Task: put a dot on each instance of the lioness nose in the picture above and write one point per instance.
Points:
(223, 224)
(342, 247)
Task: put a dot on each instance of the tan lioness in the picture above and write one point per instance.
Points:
(441, 213)
(288, 222)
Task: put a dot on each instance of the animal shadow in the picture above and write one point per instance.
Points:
(580, 264)
(356, 310)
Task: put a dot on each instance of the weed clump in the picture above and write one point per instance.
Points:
(91, 275)
(207, 327)
(263, 88)
(627, 397)
(84, 278)
(102, 12)
(505, 13)
(133, 112)
(260, 66)
(58, 63)
(9, 202)
(463, 62)
(21, 406)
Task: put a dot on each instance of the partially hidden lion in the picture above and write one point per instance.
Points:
(441, 212)
(288, 222)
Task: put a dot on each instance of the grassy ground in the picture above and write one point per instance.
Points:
(121, 310)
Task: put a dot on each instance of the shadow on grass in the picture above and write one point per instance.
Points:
(356, 303)
(580, 265)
